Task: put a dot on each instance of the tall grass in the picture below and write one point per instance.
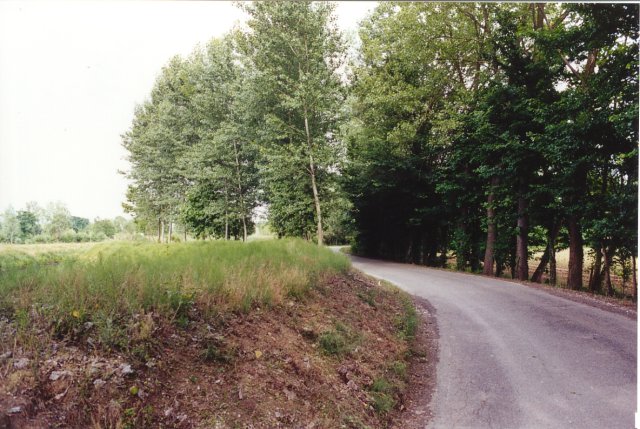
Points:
(110, 283)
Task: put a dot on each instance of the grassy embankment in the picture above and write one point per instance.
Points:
(263, 333)
(110, 283)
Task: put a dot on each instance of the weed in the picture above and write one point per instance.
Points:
(182, 321)
(382, 402)
(338, 341)
(368, 297)
(382, 394)
(213, 354)
(354, 423)
(399, 369)
(407, 323)
(332, 343)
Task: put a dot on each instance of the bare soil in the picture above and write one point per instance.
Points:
(332, 359)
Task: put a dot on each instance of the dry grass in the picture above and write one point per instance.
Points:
(37, 249)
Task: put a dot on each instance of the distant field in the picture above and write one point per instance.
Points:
(35, 249)
(562, 268)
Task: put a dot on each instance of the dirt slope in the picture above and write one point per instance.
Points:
(341, 357)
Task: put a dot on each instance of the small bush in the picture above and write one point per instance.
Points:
(68, 236)
(399, 369)
(382, 394)
(332, 343)
(213, 353)
(368, 297)
(338, 341)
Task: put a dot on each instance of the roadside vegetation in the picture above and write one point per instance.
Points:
(269, 332)
(108, 284)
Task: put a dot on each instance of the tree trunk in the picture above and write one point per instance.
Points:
(635, 277)
(162, 234)
(312, 167)
(487, 269)
(159, 230)
(170, 230)
(312, 173)
(522, 250)
(461, 242)
(226, 216)
(226, 225)
(595, 282)
(240, 193)
(512, 256)
(608, 254)
(552, 266)
(576, 254)
(552, 235)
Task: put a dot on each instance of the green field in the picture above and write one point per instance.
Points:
(108, 284)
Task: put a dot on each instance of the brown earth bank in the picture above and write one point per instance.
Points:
(350, 354)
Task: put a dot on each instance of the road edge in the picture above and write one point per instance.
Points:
(417, 410)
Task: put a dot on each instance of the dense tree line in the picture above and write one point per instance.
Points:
(513, 127)
(249, 119)
(54, 223)
(482, 132)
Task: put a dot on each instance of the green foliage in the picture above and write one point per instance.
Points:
(58, 220)
(382, 393)
(29, 225)
(296, 52)
(192, 157)
(332, 343)
(104, 226)
(79, 223)
(407, 323)
(503, 106)
(338, 341)
(11, 226)
(212, 353)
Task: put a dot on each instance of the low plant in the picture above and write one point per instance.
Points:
(338, 341)
(407, 322)
(382, 395)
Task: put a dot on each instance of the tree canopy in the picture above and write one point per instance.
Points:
(469, 132)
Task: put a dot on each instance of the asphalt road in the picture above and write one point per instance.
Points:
(511, 356)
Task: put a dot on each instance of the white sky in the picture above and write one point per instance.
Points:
(71, 74)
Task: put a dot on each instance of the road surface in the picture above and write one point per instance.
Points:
(511, 356)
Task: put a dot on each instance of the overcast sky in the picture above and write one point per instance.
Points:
(71, 74)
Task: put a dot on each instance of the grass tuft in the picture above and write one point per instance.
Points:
(382, 394)
(407, 322)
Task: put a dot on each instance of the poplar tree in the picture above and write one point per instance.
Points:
(296, 50)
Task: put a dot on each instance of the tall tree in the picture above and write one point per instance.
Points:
(29, 225)
(58, 219)
(162, 131)
(222, 165)
(10, 225)
(297, 51)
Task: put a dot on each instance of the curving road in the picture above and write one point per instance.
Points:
(511, 356)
